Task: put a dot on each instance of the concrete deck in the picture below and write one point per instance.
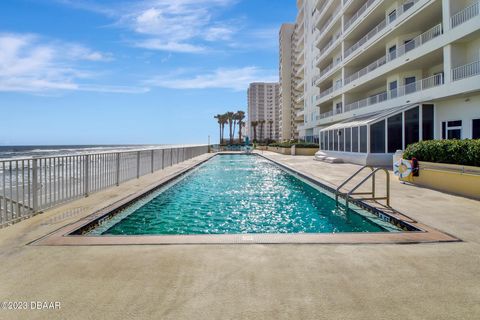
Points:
(377, 281)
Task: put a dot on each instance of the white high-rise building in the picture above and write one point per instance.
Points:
(388, 73)
(263, 110)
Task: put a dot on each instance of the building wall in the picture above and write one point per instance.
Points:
(285, 76)
(362, 46)
(465, 108)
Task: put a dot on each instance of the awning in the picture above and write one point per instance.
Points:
(367, 118)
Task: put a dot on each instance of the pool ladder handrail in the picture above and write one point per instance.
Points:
(348, 195)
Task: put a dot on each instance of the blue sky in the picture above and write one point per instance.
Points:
(140, 71)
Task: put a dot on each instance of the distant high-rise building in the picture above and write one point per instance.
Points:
(263, 110)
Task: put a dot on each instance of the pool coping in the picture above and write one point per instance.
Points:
(65, 236)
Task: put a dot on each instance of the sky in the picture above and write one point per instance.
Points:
(131, 72)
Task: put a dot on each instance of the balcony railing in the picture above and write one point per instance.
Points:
(366, 37)
(374, 65)
(321, 11)
(379, 27)
(328, 23)
(328, 91)
(358, 14)
(424, 84)
(328, 46)
(327, 70)
(326, 114)
(466, 71)
(412, 44)
(466, 14)
(324, 93)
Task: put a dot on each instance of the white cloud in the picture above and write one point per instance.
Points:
(158, 44)
(178, 26)
(29, 63)
(236, 79)
(185, 26)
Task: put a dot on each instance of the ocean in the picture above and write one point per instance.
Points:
(22, 152)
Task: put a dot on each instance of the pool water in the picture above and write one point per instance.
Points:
(232, 194)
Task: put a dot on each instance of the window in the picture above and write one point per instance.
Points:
(355, 139)
(322, 144)
(335, 141)
(393, 89)
(409, 45)
(395, 133)
(476, 129)
(408, 5)
(363, 139)
(338, 108)
(348, 139)
(392, 52)
(341, 137)
(330, 140)
(392, 16)
(452, 129)
(410, 84)
(412, 126)
(427, 122)
(377, 137)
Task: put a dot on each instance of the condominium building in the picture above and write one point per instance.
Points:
(286, 111)
(263, 110)
(391, 73)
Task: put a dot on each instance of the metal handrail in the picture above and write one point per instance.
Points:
(371, 175)
(348, 195)
(337, 191)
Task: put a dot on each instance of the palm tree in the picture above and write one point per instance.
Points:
(254, 125)
(240, 117)
(223, 121)
(270, 122)
(242, 126)
(219, 121)
(230, 120)
(261, 123)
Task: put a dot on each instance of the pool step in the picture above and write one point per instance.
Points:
(320, 156)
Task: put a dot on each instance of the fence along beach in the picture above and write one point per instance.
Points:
(31, 184)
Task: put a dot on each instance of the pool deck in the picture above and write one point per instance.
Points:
(266, 281)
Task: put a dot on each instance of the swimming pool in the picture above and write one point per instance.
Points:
(238, 194)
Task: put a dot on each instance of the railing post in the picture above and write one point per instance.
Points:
(87, 174)
(163, 159)
(117, 169)
(138, 164)
(151, 164)
(34, 185)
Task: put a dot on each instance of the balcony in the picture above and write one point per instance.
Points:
(466, 71)
(357, 14)
(331, 44)
(327, 92)
(401, 50)
(321, 11)
(327, 70)
(299, 98)
(421, 85)
(379, 27)
(328, 24)
(466, 14)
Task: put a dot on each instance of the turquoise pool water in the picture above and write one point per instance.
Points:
(233, 194)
